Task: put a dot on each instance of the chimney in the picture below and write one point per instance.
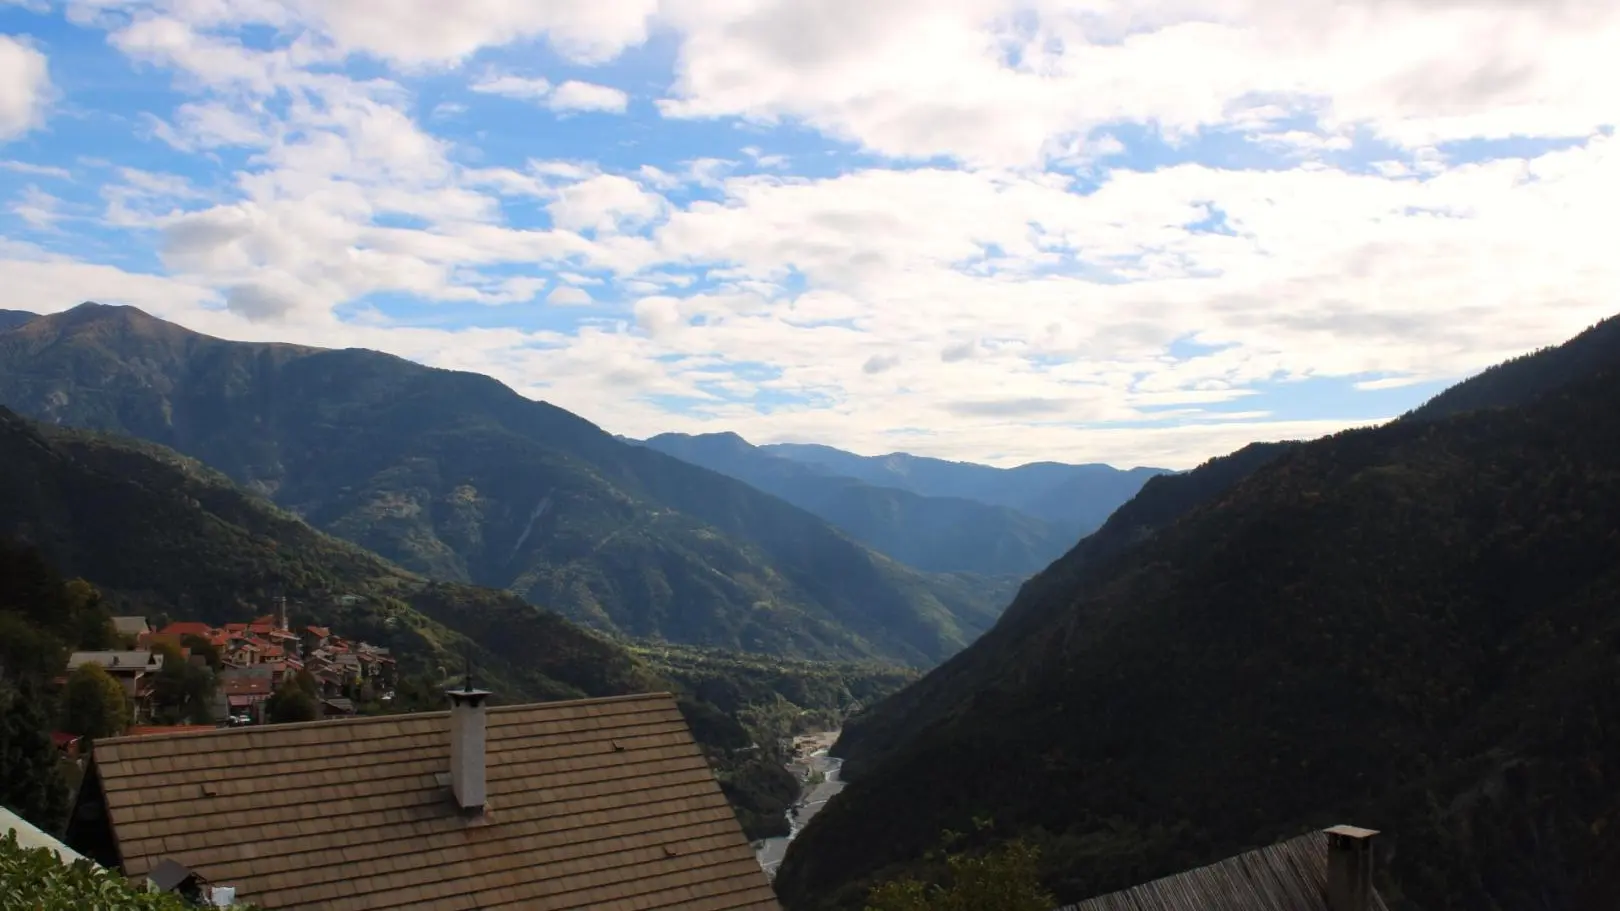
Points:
(467, 746)
(1349, 868)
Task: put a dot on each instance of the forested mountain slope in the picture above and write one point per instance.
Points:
(949, 688)
(456, 476)
(1414, 627)
(1525, 378)
(935, 534)
(159, 533)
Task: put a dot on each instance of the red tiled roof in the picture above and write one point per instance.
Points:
(246, 686)
(320, 631)
(186, 628)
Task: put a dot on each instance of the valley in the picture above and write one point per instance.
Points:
(1410, 627)
(751, 455)
(821, 780)
(853, 707)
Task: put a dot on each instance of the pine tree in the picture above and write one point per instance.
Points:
(31, 783)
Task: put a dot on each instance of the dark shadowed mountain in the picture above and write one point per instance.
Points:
(455, 476)
(951, 687)
(1525, 378)
(937, 534)
(1415, 627)
(1075, 498)
(11, 318)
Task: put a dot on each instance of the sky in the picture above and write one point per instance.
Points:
(1144, 232)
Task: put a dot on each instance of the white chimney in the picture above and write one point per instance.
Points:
(467, 746)
(1350, 867)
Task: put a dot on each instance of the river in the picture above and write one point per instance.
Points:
(814, 759)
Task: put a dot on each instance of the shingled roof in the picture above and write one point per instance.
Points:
(604, 803)
(1290, 875)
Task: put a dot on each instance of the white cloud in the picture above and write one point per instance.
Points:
(570, 96)
(39, 209)
(509, 86)
(418, 32)
(36, 170)
(992, 310)
(605, 202)
(586, 96)
(25, 87)
(1005, 82)
(569, 296)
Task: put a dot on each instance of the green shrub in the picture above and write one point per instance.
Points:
(35, 879)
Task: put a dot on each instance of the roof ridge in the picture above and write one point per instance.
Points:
(328, 723)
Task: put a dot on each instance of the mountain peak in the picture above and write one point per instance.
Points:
(727, 437)
(726, 440)
(91, 313)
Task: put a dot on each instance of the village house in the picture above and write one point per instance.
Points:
(604, 804)
(337, 707)
(130, 627)
(243, 691)
(1328, 870)
(184, 628)
(127, 667)
(132, 670)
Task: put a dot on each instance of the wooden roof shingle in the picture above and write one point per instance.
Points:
(601, 803)
(1287, 876)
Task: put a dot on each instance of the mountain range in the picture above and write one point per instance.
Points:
(1074, 498)
(456, 477)
(159, 533)
(1413, 627)
(879, 503)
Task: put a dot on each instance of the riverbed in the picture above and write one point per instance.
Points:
(811, 760)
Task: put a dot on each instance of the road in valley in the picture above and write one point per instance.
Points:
(812, 758)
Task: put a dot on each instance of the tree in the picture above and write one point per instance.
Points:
(201, 646)
(1004, 879)
(31, 783)
(93, 703)
(181, 691)
(26, 651)
(291, 703)
(92, 622)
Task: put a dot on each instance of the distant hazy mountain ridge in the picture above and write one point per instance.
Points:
(1076, 498)
(931, 532)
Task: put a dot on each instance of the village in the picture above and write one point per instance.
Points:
(237, 669)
